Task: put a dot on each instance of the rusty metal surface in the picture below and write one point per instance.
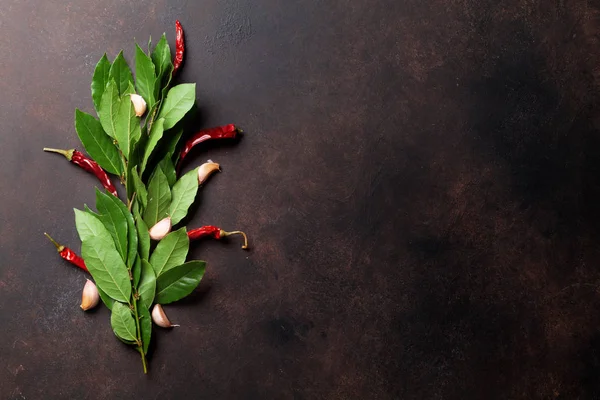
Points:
(420, 181)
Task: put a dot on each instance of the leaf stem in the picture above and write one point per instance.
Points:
(124, 161)
(130, 202)
(151, 117)
(143, 360)
(139, 334)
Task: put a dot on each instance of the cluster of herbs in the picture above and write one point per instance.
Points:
(132, 273)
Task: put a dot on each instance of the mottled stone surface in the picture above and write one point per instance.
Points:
(420, 180)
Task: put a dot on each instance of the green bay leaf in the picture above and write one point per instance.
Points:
(170, 251)
(135, 207)
(145, 76)
(140, 188)
(127, 126)
(107, 267)
(89, 225)
(161, 150)
(161, 57)
(171, 146)
(159, 198)
(167, 167)
(179, 101)
(143, 236)
(108, 302)
(99, 81)
(89, 210)
(147, 287)
(97, 143)
(120, 72)
(136, 271)
(114, 221)
(145, 327)
(130, 90)
(183, 195)
(166, 82)
(123, 322)
(135, 157)
(156, 134)
(132, 237)
(179, 282)
(109, 108)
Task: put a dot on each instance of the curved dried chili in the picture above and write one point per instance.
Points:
(216, 233)
(179, 47)
(86, 163)
(219, 132)
(68, 254)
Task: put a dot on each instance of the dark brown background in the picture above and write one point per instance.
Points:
(420, 181)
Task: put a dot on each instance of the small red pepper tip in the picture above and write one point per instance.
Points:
(67, 153)
(59, 247)
(245, 246)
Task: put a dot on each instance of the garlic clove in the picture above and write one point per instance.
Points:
(139, 104)
(206, 170)
(161, 229)
(90, 296)
(160, 318)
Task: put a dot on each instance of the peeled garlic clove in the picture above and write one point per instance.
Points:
(206, 170)
(90, 296)
(160, 318)
(139, 104)
(161, 229)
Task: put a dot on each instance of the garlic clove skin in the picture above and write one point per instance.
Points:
(206, 170)
(139, 104)
(90, 296)
(161, 229)
(160, 318)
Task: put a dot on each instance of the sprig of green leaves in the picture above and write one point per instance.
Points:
(116, 247)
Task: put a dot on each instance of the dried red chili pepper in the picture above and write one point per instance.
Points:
(219, 132)
(91, 166)
(179, 47)
(68, 254)
(216, 233)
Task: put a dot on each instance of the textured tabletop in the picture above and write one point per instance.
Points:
(420, 181)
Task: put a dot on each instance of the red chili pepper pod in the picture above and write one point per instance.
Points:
(68, 254)
(219, 132)
(216, 233)
(89, 165)
(179, 47)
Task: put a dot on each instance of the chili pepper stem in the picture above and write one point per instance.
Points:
(59, 247)
(67, 153)
(245, 246)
